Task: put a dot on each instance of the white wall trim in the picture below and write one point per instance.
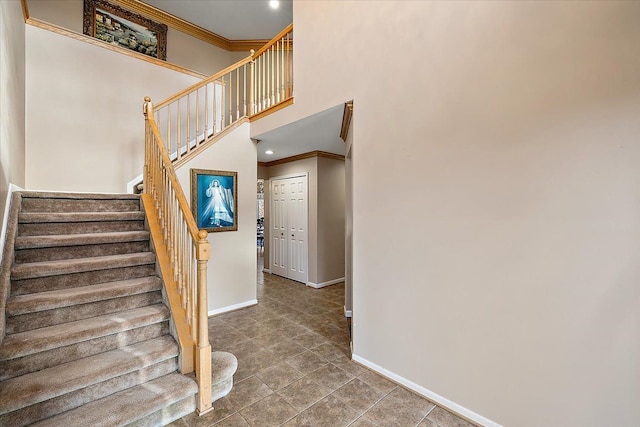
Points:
(232, 307)
(323, 284)
(5, 219)
(291, 175)
(442, 401)
(133, 183)
(347, 313)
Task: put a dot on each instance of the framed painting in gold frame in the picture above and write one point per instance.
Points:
(120, 27)
(214, 199)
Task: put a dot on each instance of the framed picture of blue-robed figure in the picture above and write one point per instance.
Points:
(214, 199)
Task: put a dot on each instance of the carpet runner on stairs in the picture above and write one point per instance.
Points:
(84, 328)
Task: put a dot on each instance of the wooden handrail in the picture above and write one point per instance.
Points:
(187, 121)
(204, 82)
(183, 252)
(273, 41)
(182, 200)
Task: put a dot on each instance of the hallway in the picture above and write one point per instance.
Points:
(294, 367)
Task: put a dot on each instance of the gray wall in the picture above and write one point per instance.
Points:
(496, 204)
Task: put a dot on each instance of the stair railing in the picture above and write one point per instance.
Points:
(183, 252)
(175, 130)
(193, 117)
(273, 71)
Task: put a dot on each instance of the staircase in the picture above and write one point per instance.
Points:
(87, 334)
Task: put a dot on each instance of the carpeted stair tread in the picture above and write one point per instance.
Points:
(78, 196)
(50, 337)
(39, 217)
(79, 265)
(49, 300)
(46, 359)
(29, 389)
(61, 202)
(27, 242)
(130, 405)
(223, 366)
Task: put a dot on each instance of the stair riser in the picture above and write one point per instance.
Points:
(42, 284)
(29, 321)
(79, 205)
(166, 415)
(70, 252)
(46, 359)
(54, 228)
(57, 405)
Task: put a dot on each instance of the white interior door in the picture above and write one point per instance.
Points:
(289, 228)
(279, 228)
(297, 226)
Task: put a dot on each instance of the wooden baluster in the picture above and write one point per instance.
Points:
(244, 90)
(169, 128)
(289, 88)
(195, 139)
(206, 114)
(252, 77)
(147, 109)
(237, 93)
(230, 97)
(284, 67)
(223, 94)
(177, 132)
(216, 86)
(280, 46)
(261, 82)
(273, 80)
(188, 123)
(175, 208)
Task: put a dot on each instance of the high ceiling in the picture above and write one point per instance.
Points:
(255, 19)
(232, 19)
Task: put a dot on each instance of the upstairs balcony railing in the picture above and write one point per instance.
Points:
(192, 117)
(175, 130)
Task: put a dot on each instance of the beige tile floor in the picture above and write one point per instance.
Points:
(294, 368)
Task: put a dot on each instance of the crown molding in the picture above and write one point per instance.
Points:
(189, 28)
(246, 45)
(302, 156)
(346, 119)
(25, 10)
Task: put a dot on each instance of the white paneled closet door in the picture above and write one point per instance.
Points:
(289, 229)
(279, 228)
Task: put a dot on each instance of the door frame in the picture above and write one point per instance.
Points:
(271, 252)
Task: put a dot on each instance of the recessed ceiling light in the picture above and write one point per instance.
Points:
(268, 152)
(274, 4)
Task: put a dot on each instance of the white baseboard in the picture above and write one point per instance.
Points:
(323, 284)
(5, 219)
(232, 307)
(434, 397)
(266, 270)
(347, 313)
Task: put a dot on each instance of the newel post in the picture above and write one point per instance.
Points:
(251, 87)
(147, 108)
(203, 352)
